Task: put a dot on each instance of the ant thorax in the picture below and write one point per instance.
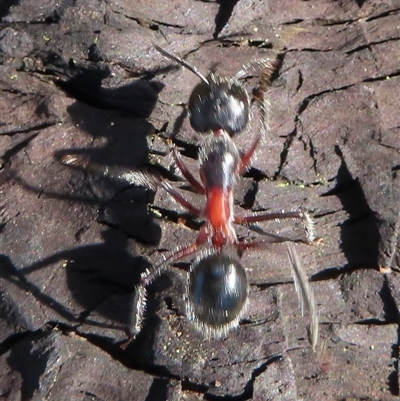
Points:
(219, 162)
(219, 103)
(219, 169)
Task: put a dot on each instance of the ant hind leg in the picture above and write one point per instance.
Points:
(307, 222)
(146, 278)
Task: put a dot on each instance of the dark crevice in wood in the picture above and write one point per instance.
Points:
(285, 152)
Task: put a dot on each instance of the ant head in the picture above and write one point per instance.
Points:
(217, 293)
(219, 103)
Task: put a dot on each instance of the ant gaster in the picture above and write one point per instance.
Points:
(217, 288)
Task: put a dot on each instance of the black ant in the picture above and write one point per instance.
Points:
(217, 288)
(221, 102)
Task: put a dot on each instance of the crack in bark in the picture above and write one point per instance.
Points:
(337, 21)
(307, 100)
(383, 14)
(248, 390)
(260, 370)
(285, 151)
(300, 82)
(293, 22)
(347, 21)
(368, 45)
(30, 129)
(311, 50)
(332, 273)
(313, 155)
(151, 24)
(394, 240)
(7, 156)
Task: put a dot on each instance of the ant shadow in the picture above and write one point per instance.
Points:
(158, 389)
(33, 364)
(101, 277)
(85, 83)
(360, 235)
(360, 240)
(5, 7)
(120, 139)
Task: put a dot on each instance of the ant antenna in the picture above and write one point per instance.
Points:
(181, 62)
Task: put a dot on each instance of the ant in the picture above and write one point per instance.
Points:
(217, 286)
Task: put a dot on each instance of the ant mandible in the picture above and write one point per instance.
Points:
(217, 287)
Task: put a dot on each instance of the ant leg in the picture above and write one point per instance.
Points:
(186, 173)
(264, 83)
(147, 278)
(301, 282)
(246, 157)
(261, 243)
(131, 176)
(141, 178)
(305, 294)
(265, 80)
(267, 66)
(179, 198)
(306, 219)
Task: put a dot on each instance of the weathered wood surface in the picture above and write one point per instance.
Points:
(73, 246)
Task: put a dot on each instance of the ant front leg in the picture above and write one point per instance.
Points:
(135, 177)
(140, 178)
(307, 222)
(180, 198)
(246, 157)
(186, 173)
(268, 66)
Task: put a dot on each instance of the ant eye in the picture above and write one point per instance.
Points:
(217, 294)
(221, 103)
